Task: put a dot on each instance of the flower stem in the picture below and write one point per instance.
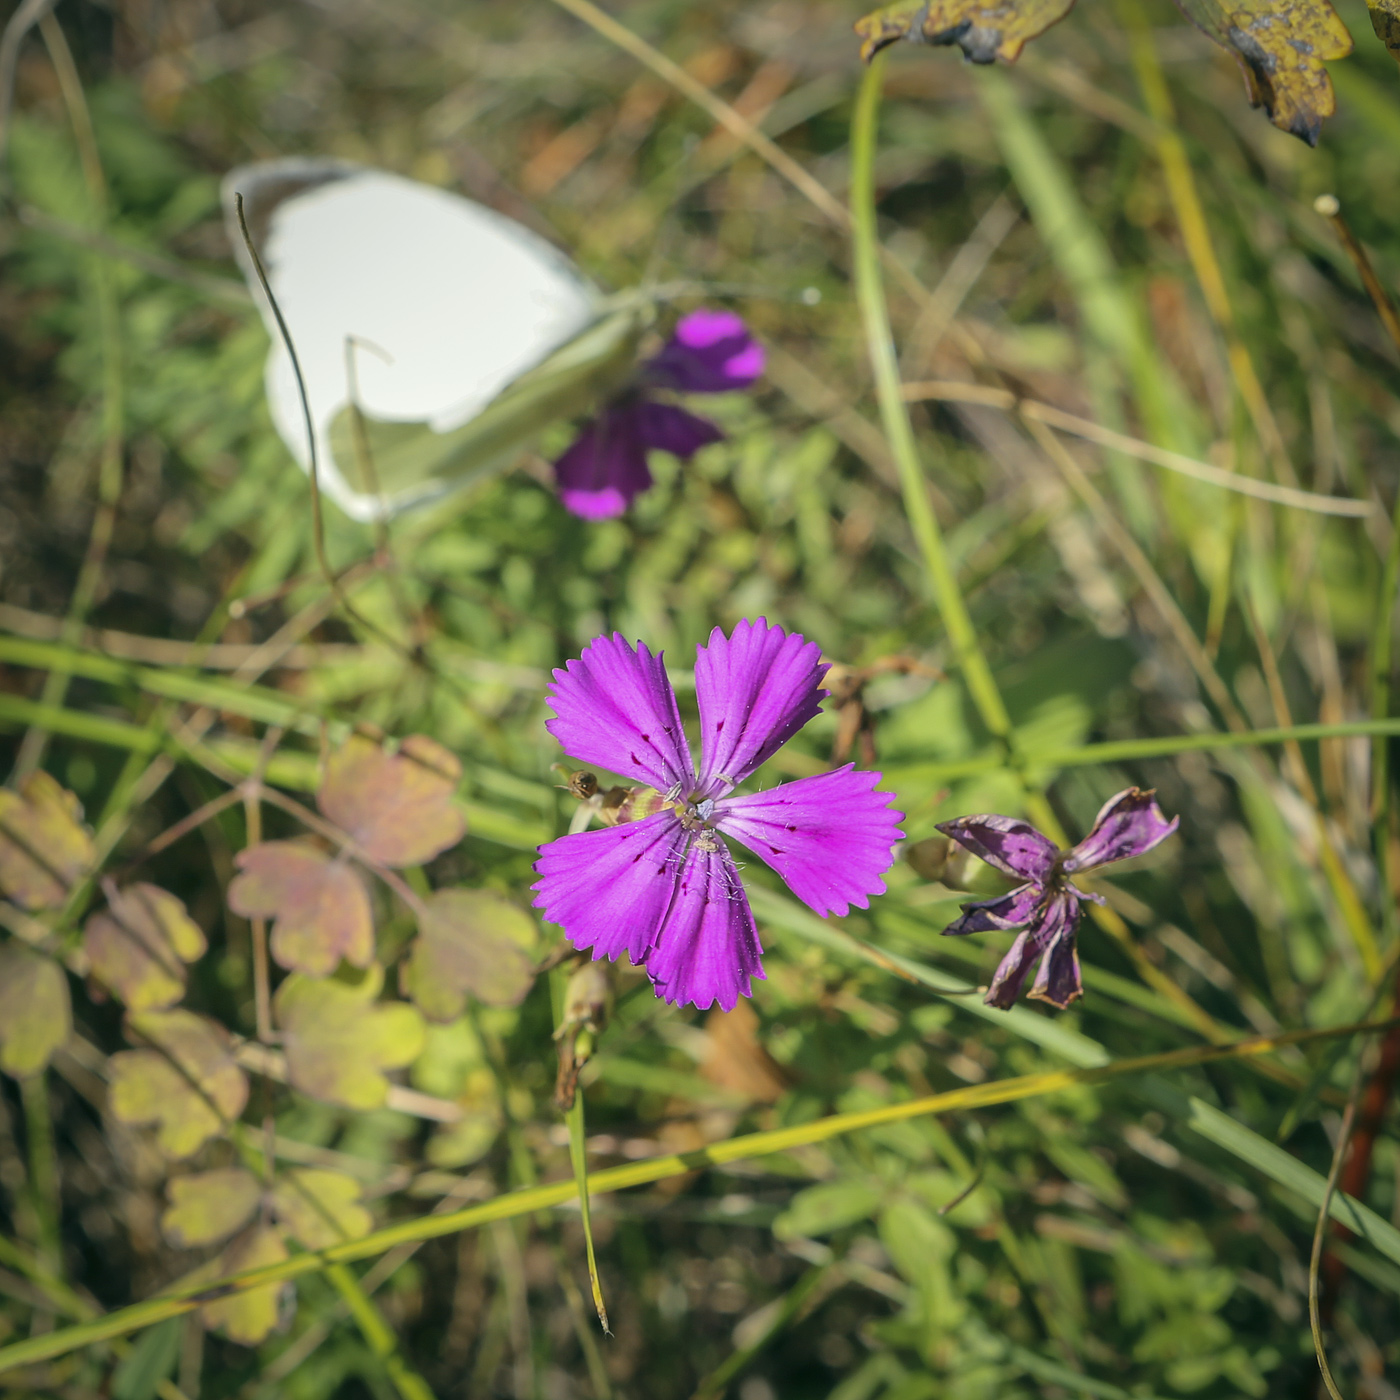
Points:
(894, 414)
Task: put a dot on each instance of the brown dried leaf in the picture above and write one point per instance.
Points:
(1385, 20)
(250, 1315)
(338, 1042)
(139, 947)
(320, 1208)
(983, 30)
(320, 904)
(189, 1086)
(1280, 46)
(35, 1013)
(736, 1059)
(209, 1206)
(44, 846)
(398, 807)
(470, 941)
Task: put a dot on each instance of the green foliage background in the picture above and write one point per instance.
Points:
(1105, 1246)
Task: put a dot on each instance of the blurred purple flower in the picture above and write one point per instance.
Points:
(1047, 907)
(665, 889)
(709, 352)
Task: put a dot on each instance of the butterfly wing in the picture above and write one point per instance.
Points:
(402, 458)
(418, 306)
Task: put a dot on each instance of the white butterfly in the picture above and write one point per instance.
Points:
(458, 333)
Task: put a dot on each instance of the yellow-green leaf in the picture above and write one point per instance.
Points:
(398, 807)
(983, 31)
(35, 1013)
(139, 946)
(320, 1208)
(828, 1206)
(209, 1206)
(1280, 46)
(44, 846)
(188, 1086)
(470, 941)
(320, 904)
(338, 1042)
(250, 1316)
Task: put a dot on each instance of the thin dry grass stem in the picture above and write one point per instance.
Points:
(1195, 234)
(207, 284)
(954, 391)
(1349, 902)
(963, 272)
(1330, 207)
(1383, 631)
(29, 13)
(1148, 578)
(252, 810)
(721, 111)
(1320, 1232)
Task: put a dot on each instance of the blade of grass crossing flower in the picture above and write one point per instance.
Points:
(1209, 1122)
(578, 1160)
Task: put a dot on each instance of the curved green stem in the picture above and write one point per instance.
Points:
(894, 414)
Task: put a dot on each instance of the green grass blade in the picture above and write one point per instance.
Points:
(1235, 1137)
(579, 1161)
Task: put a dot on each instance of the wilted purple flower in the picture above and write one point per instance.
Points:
(1047, 907)
(709, 352)
(665, 889)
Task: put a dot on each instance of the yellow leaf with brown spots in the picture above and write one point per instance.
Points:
(1280, 46)
(983, 31)
(1385, 20)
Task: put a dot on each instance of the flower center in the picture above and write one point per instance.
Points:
(695, 816)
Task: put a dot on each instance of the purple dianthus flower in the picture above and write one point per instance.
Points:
(709, 352)
(666, 890)
(1047, 907)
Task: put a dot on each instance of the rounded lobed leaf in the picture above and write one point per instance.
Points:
(206, 1207)
(470, 941)
(251, 1315)
(320, 905)
(320, 1208)
(35, 1012)
(338, 1041)
(139, 947)
(188, 1086)
(44, 846)
(398, 807)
